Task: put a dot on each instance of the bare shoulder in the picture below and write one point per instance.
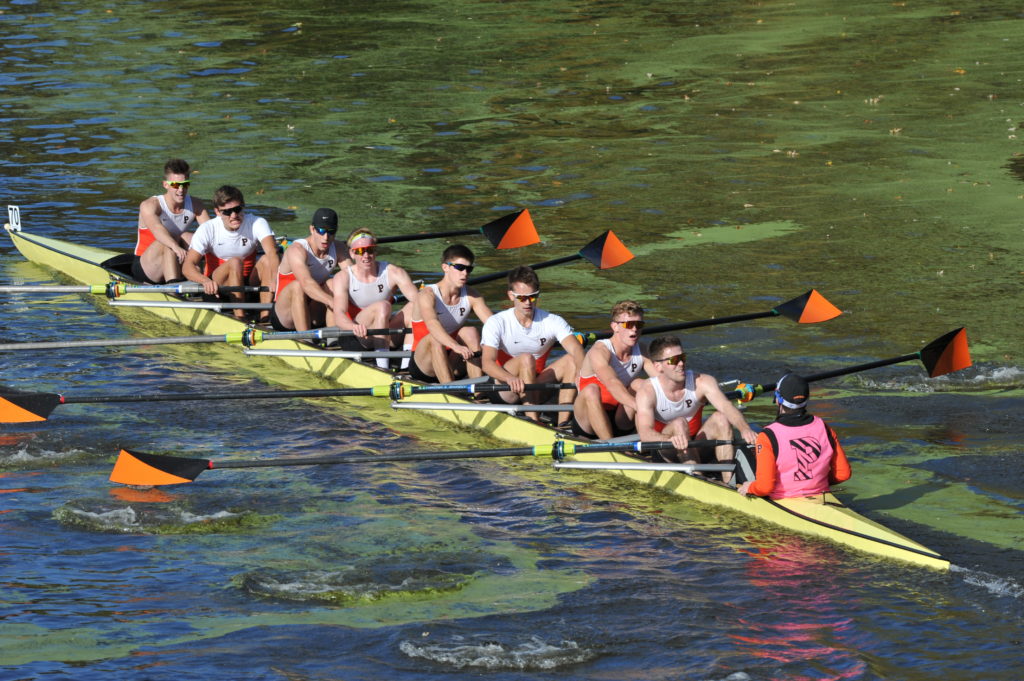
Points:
(150, 205)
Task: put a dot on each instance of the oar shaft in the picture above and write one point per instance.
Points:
(111, 342)
(45, 288)
(427, 235)
(472, 281)
(371, 458)
(860, 367)
(240, 394)
(679, 326)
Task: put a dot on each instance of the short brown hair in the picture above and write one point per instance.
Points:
(627, 307)
(226, 194)
(457, 251)
(177, 166)
(662, 343)
(524, 275)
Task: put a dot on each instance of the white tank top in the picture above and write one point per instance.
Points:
(667, 410)
(624, 371)
(364, 294)
(319, 268)
(452, 317)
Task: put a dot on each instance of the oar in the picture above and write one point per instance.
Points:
(116, 289)
(145, 470)
(248, 338)
(26, 407)
(809, 308)
(604, 252)
(942, 356)
(514, 230)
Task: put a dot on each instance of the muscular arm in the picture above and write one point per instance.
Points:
(600, 362)
(192, 271)
(574, 348)
(707, 387)
(149, 217)
(401, 279)
(428, 313)
(479, 305)
(295, 260)
(341, 301)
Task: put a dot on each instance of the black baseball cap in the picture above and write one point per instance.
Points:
(792, 391)
(325, 218)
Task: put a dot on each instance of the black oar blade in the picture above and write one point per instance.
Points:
(148, 470)
(606, 251)
(18, 407)
(514, 230)
(947, 354)
(810, 308)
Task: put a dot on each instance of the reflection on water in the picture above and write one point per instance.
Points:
(745, 152)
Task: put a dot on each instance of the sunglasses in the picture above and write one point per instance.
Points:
(674, 359)
(326, 230)
(234, 210)
(526, 297)
(175, 185)
(468, 269)
(370, 250)
(631, 324)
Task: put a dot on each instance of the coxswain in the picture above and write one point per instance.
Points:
(605, 405)
(304, 298)
(670, 405)
(224, 250)
(364, 294)
(798, 454)
(516, 344)
(164, 220)
(444, 348)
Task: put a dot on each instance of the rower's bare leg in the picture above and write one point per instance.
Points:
(562, 370)
(230, 274)
(377, 316)
(590, 413)
(431, 358)
(717, 427)
(524, 367)
(470, 337)
(262, 275)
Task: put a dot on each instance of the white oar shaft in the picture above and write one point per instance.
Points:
(642, 466)
(457, 406)
(330, 354)
(44, 288)
(189, 305)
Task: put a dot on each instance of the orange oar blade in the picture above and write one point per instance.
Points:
(146, 470)
(27, 407)
(514, 230)
(947, 354)
(810, 308)
(606, 251)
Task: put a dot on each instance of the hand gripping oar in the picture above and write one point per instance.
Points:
(27, 407)
(514, 230)
(810, 308)
(116, 289)
(248, 338)
(942, 356)
(145, 470)
(604, 252)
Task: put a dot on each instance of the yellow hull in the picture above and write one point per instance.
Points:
(823, 516)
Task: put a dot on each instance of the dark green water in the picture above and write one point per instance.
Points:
(745, 152)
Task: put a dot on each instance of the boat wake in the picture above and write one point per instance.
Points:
(976, 379)
(995, 585)
(373, 579)
(105, 516)
(531, 655)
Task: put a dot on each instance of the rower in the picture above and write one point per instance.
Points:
(164, 220)
(364, 290)
(227, 247)
(670, 404)
(606, 403)
(516, 344)
(308, 263)
(444, 348)
(798, 455)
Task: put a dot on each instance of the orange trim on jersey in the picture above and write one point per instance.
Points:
(213, 262)
(608, 401)
(282, 282)
(695, 423)
(419, 332)
(143, 240)
(539, 365)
